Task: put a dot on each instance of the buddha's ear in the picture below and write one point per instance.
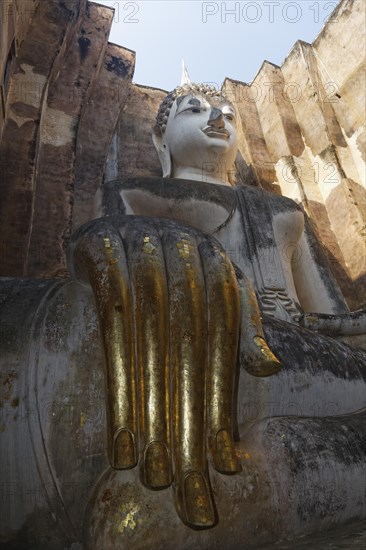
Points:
(232, 176)
(163, 151)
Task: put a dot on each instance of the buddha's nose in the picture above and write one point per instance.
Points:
(216, 119)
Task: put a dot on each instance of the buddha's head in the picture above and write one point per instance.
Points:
(195, 135)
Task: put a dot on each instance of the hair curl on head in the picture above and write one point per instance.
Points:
(166, 104)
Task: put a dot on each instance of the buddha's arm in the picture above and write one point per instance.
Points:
(316, 287)
(348, 324)
(320, 297)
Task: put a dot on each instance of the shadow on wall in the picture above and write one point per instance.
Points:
(353, 289)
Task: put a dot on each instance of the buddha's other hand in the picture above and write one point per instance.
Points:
(351, 323)
(169, 309)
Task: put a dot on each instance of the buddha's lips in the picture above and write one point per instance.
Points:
(212, 132)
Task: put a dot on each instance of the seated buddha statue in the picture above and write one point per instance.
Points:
(194, 278)
(172, 289)
(194, 319)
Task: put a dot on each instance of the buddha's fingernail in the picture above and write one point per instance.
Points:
(198, 506)
(156, 470)
(224, 456)
(267, 363)
(124, 451)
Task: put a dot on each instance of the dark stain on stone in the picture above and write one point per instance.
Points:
(15, 402)
(69, 9)
(118, 66)
(306, 446)
(32, 145)
(107, 495)
(24, 110)
(8, 381)
(312, 352)
(84, 45)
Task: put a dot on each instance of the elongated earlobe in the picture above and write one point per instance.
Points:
(163, 151)
(232, 176)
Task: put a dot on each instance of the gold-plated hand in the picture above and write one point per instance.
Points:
(170, 308)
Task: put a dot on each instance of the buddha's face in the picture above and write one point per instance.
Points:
(201, 137)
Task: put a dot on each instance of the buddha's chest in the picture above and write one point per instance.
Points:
(260, 233)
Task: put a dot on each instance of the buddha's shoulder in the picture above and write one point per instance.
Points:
(168, 189)
(256, 197)
(182, 190)
(158, 184)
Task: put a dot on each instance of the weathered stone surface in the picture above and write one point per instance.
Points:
(133, 152)
(279, 125)
(46, 487)
(314, 114)
(259, 169)
(324, 139)
(19, 146)
(347, 207)
(15, 19)
(68, 91)
(99, 119)
(58, 86)
(344, 77)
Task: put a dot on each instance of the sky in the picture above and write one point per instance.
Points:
(215, 39)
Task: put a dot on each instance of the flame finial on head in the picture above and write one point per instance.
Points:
(186, 86)
(185, 76)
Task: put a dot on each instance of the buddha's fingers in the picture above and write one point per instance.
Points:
(255, 354)
(106, 266)
(223, 338)
(148, 277)
(188, 359)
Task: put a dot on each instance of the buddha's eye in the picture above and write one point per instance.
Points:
(229, 116)
(196, 109)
